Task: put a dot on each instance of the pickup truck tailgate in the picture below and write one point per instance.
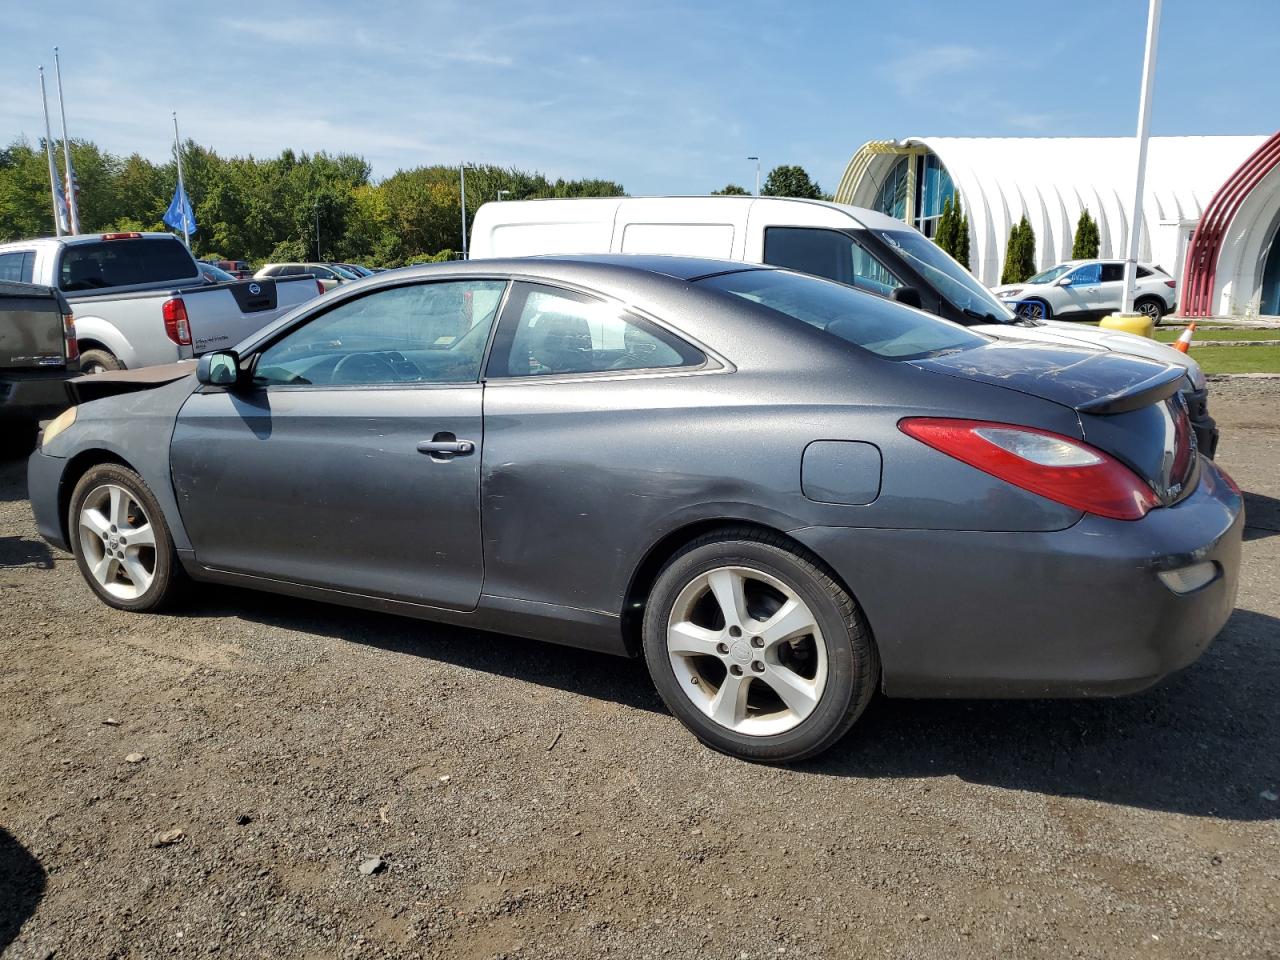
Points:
(221, 315)
(31, 330)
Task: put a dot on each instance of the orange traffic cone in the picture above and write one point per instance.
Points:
(1184, 341)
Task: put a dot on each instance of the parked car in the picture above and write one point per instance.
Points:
(354, 268)
(38, 352)
(784, 493)
(853, 246)
(237, 268)
(141, 299)
(327, 275)
(1087, 289)
(213, 273)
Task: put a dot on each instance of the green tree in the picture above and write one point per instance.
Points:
(1087, 241)
(730, 190)
(944, 233)
(961, 252)
(791, 181)
(1020, 253)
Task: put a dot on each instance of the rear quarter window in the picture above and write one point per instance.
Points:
(125, 263)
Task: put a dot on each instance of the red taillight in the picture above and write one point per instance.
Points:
(121, 236)
(1171, 284)
(1051, 465)
(319, 287)
(69, 337)
(175, 322)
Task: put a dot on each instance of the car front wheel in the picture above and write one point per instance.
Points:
(1034, 310)
(757, 649)
(121, 541)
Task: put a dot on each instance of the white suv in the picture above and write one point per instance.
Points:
(1084, 289)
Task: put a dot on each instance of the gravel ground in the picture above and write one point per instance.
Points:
(211, 783)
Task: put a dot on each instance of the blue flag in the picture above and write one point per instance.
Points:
(180, 209)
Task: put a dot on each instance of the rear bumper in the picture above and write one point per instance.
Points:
(1077, 612)
(36, 398)
(44, 482)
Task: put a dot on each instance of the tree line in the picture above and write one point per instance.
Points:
(273, 209)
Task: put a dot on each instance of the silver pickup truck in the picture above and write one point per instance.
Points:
(140, 298)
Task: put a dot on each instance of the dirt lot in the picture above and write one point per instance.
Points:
(534, 801)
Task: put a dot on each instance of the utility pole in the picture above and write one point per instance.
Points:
(53, 167)
(1140, 177)
(757, 160)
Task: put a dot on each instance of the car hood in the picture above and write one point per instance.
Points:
(1084, 335)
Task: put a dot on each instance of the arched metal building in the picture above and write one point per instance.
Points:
(1052, 179)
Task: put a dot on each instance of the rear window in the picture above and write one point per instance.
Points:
(882, 327)
(125, 263)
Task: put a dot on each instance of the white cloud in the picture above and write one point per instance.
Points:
(920, 71)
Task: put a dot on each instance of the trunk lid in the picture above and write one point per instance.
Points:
(1128, 407)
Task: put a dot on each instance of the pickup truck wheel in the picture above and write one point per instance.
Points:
(121, 542)
(99, 361)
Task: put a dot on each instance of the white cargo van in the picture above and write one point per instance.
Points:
(851, 245)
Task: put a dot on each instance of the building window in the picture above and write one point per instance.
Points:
(933, 189)
(892, 199)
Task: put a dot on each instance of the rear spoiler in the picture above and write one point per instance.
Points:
(1159, 387)
(95, 386)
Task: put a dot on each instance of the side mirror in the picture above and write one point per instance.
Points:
(909, 296)
(219, 369)
(1065, 281)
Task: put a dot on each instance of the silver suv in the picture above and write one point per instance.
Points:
(1084, 289)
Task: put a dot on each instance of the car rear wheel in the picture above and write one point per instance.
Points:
(1150, 307)
(99, 361)
(121, 541)
(1034, 310)
(757, 649)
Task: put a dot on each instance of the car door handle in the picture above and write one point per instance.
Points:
(460, 447)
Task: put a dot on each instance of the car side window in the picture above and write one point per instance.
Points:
(16, 266)
(1112, 272)
(549, 331)
(1090, 273)
(420, 333)
(1143, 272)
(829, 254)
(320, 273)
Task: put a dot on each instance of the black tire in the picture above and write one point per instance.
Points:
(1033, 302)
(168, 579)
(97, 361)
(18, 437)
(853, 665)
(1153, 307)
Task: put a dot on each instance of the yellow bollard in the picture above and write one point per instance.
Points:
(1137, 323)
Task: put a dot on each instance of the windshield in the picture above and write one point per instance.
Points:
(879, 326)
(343, 273)
(949, 278)
(1052, 274)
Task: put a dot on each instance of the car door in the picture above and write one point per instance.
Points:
(1077, 291)
(350, 457)
(1108, 295)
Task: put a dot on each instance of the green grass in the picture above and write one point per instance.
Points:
(1238, 359)
(1169, 335)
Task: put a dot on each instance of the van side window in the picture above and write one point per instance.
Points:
(830, 254)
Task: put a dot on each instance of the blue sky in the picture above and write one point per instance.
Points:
(663, 97)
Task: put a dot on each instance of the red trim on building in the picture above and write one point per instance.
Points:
(1201, 271)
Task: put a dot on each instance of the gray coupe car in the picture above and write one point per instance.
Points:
(784, 493)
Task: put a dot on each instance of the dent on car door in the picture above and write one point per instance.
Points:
(350, 459)
(589, 444)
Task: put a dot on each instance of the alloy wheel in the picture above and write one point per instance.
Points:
(117, 541)
(1149, 309)
(747, 651)
(1032, 311)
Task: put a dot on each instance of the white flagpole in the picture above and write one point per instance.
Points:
(182, 190)
(1144, 123)
(48, 150)
(73, 206)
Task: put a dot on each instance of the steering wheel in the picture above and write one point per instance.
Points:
(363, 368)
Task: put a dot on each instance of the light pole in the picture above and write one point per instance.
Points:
(1144, 123)
(462, 182)
(757, 160)
(317, 210)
